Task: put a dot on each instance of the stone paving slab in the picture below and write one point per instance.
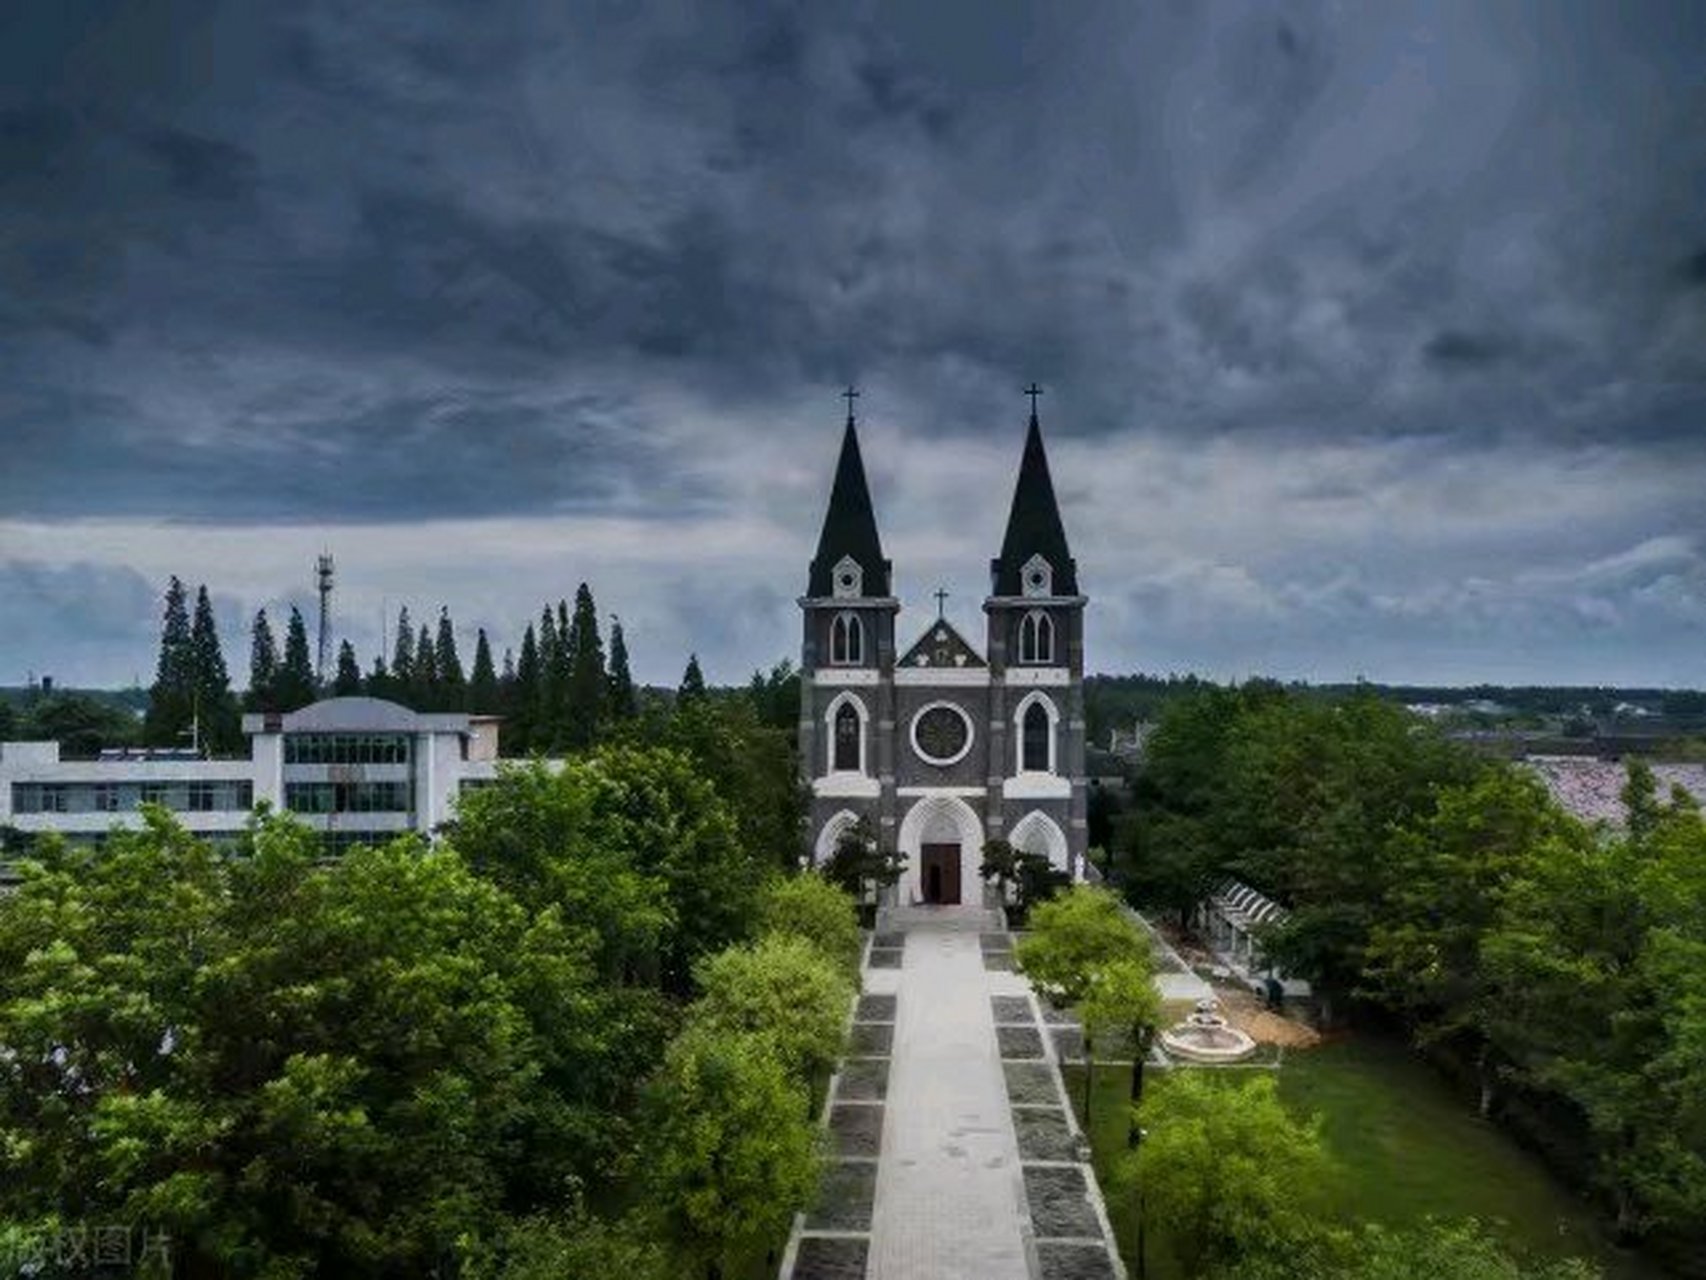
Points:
(998, 961)
(874, 1009)
(1012, 1009)
(1063, 1261)
(856, 1128)
(1031, 1082)
(1019, 1042)
(887, 959)
(863, 1080)
(1044, 1134)
(829, 1258)
(1060, 1202)
(870, 1040)
(844, 1197)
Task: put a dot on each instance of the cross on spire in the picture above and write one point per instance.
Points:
(1033, 391)
(850, 395)
(941, 603)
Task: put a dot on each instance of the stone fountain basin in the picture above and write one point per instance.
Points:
(1197, 1043)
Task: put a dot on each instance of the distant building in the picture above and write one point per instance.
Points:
(355, 769)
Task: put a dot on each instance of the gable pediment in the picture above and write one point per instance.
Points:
(941, 647)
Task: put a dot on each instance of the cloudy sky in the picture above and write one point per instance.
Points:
(1374, 335)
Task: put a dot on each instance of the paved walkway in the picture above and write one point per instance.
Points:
(950, 1195)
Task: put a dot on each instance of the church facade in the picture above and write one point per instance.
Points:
(941, 746)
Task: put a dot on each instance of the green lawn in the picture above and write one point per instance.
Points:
(1408, 1149)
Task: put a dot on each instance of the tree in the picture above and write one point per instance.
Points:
(692, 681)
(1072, 939)
(548, 723)
(347, 683)
(263, 665)
(1122, 997)
(808, 906)
(171, 700)
(860, 866)
(526, 695)
(776, 696)
(483, 681)
(215, 709)
(425, 687)
(1224, 1172)
(587, 677)
(453, 686)
(378, 682)
(731, 1151)
(619, 692)
(403, 656)
(782, 988)
(81, 725)
(295, 687)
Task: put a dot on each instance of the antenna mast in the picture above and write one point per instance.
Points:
(323, 573)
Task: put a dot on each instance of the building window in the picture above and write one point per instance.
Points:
(847, 640)
(346, 748)
(1036, 638)
(152, 793)
(106, 798)
(201, 797)
(1035, 733)
(847, 734)
(346, 797)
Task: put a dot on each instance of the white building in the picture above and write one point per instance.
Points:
(357, 769)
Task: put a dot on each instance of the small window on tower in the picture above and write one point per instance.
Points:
(1035, 740)
(1036, 638)
(847, 640)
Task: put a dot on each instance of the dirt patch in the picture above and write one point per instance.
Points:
(1261, 1024)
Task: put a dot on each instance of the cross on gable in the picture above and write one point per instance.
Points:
(850, 395)
(1033, 391)
(941, 601)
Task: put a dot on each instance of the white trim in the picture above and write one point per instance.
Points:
(1044, 588)
(830, 832)
(1036, 786)
(1053, 838)
(846, 786)
(831, 677)
(941, 802)
(965, 748)
(1042, 627)
(852, 626)
(846, 565)
(1033, 676)
(1036, 698)
(858, 705)
(964, 793)
(945, 677)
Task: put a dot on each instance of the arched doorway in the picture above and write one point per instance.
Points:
(942, 841)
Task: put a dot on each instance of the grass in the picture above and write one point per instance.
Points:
(1408, 1148)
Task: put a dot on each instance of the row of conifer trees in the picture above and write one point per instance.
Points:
(561, 692)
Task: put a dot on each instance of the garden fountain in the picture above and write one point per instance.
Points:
(1205, 1036)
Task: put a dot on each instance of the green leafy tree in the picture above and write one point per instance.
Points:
(752, 767)
(776, 696)
(1224, 1173)
(862, 867)
(1072, 939)
(1122, 998)
(548, 1247)
(263, 665)
(731, 1153)
(785, 989)
(347, 683)
(692, 681)
(81, 725)
(171, 699)
(809, 907)
(619, 697)
(295, 686)
(483, 679)
(587, 676)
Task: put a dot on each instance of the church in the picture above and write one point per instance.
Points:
(943, 747)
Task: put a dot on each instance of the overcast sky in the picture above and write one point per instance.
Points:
(1374, 335)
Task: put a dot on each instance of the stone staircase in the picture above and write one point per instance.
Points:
(959, 918)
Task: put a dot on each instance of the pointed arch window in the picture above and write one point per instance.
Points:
(848, 733)
(1036, 638)
(847, 640)
(1035, 734)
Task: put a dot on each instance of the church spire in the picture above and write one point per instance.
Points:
(1033, 525)
(850, 525)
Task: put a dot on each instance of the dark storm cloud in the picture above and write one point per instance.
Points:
(330, 263)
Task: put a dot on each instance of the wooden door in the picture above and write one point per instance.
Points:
(940, 868)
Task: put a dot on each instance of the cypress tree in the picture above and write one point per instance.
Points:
(544, 727)
(424, 688)
(263, 665)
(348, 681)
(295, 684)
(586, 674)
(403, 657)
(171, 698)
(210, 680)
(378, 683)
(524, 694)
(619, 690)
(452, 685)
(508, 676)
(692, 683)
(483, 680)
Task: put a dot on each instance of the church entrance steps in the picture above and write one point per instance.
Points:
(957, 918)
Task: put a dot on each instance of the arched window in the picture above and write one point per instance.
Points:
(1035, 733)
(847, 734)
(1036, 638)
(846, 640)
